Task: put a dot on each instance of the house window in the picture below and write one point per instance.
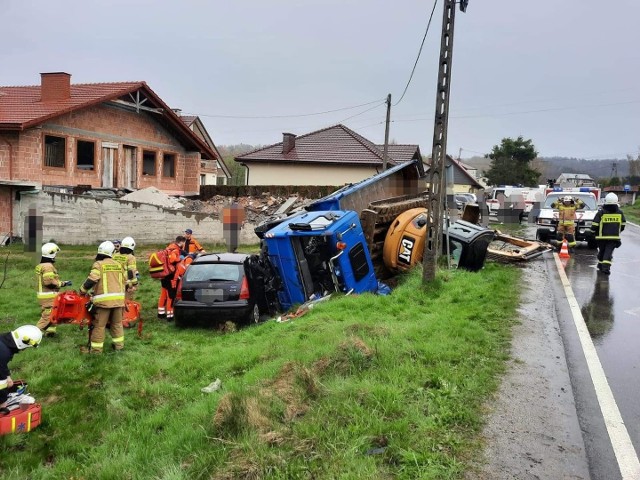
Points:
(203, 179)
(168, 165)
(54, 151)
(85, 155)
(148, 163)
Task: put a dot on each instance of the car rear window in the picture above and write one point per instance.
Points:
(203, 272)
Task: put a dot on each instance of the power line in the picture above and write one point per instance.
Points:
(543, 100)
(363, 112)
(263, 117)
(552, 109)
(419, 52)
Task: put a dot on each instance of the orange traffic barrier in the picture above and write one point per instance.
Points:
(564, 251)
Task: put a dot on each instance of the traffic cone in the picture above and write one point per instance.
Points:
(564, 251)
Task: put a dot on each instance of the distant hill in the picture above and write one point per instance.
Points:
(552, 167)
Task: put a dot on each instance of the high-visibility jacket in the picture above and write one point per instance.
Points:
(128, 262)
(48, 281)
(608, 223)
(567, 213)
(192, 246)
(174, 253)
(106, 279)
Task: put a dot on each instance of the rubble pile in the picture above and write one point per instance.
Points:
(153, 196)
(257, 208)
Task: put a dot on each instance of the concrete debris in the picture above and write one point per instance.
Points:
(155, 197)
(257, 208)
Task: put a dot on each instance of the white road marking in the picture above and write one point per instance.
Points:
(620, 440)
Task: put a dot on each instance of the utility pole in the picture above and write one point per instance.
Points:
(385, 155)
(439, 150)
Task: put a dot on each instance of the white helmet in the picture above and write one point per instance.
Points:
(567, 199)
(128, 242)
(27, 336)
(106, 248)
(50, 250)
(611, 199)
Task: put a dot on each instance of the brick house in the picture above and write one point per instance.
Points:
(332, 156)
(212, 172)
(114, 135)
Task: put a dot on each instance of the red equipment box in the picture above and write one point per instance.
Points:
(70, 307)
(21, 420)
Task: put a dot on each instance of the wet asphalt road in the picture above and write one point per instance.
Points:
(610, 306)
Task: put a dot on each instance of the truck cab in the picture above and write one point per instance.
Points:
(547, 220)
(317, 253)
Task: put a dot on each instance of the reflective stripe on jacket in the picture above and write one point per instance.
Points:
(608, 225)
(48, 281)
(108, 291)
(128, 262)
(567, 213)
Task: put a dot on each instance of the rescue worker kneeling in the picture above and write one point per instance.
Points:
(566, 219)
(107, 281)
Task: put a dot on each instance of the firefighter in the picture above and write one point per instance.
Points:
(192, 245)
(49, 284)
(566, 219)
(607, 225)
(106, 281)
(168, 284)
(11, 343)
(127, 259)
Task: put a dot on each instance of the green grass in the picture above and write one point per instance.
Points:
(361, 387)
(632, 212)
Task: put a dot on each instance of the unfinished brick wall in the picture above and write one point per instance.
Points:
(5, 210)
(110, 125)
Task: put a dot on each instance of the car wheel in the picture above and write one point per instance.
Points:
(254, 315)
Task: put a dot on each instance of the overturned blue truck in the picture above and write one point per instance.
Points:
(342, 242)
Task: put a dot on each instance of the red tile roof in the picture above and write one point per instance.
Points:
(20, 107)
(333, 145)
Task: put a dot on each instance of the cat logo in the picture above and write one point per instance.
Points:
(406, 249)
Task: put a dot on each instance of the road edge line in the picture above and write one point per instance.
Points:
(623, 448)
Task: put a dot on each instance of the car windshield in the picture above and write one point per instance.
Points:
(203, 272)
(589, 200)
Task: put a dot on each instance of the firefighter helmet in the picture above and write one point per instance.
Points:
(50, 250)
(567, 199)
(106, 248)
(611, 199)
(27, 336)
(128, 242)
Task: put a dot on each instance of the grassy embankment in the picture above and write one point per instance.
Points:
(361, 387)
(632, 212)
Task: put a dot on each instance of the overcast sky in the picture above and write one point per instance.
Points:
(563, 73)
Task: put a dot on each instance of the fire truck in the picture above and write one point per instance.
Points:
(547, 219)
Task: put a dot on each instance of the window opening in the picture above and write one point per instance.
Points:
(168, 165)
(85, 155)
(148, 163)
(54, 151)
